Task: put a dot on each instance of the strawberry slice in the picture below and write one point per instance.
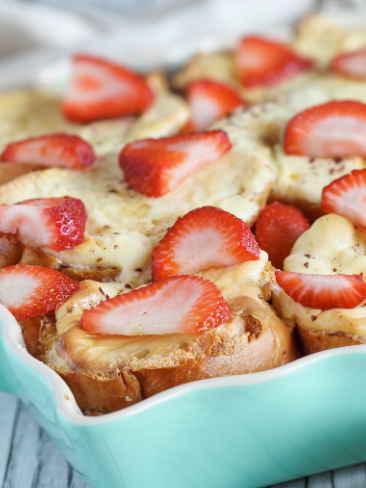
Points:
(61, 150)
(177, 305)
(100, 89)
(30, 291)
(351, 64)
(263, 62)
(57, 223)
(323, 291)
(202, 238)
(333, 130)
(277, 229)
(347, 196)
(157, 166)
(209, 101)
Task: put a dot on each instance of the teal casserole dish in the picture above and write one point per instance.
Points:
(242, 431)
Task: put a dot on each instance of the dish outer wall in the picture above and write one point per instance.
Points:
(236, 432)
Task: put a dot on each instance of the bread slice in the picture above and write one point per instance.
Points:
(316, 341)
(107, 373)
(333, 245)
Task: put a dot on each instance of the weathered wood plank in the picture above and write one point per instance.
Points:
(350, 477)
(22, 468)
(76, 481)
(53, 469)
(300, 483)
(9, 409)
(322, 480)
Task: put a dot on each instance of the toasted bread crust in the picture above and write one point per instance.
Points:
(108, 391)
(10, 250)
(30, 330)
(316, 341)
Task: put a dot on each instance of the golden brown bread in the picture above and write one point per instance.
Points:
(30, 330)
(316, 341)
(105, 392)
(107, 373)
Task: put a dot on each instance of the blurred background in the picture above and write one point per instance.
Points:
(139, 31)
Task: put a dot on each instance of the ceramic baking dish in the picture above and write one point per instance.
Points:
(234, 432)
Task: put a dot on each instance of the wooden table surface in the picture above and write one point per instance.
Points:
(29, 459)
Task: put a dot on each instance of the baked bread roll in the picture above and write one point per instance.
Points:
(107, 373)
(333, 245)
(124, 226)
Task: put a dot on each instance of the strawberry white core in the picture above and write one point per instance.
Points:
(352, 204)
(355, 65)
(182, 304)
(202, 249)
(38, 152)
(28, 220)
(196, 155)
(17, 289)
(336, 136)
(91, 82)
(204, 111)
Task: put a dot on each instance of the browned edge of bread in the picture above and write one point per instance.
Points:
(30, 330)
(37, 257)
(316, 341)
(119, 388)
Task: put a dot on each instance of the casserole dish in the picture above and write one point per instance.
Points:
(242, 431)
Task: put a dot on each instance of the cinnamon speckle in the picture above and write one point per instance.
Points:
(306, 265)
(313, 317)
(307, 255)
(101, 291)
(138, 270)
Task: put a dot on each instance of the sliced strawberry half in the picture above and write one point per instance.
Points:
(333, 130)
(204, 237)
(277, 229)
(209, 101)
(323, 291)
(57, 223)
(157, 166)
(100, 89)
(351, 64)
(178, 305)
(61, 150)
(30, 291)
(264, 62)
(347, 196)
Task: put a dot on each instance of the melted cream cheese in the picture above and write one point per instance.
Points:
(333, 245)
(245, 287)
(123, 226)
